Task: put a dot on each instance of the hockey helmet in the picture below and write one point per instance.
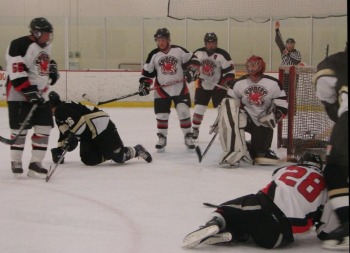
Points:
(162, 33)
(312, 160)
(255, 66)
(54, 99)
(40, 25)
(210, 37)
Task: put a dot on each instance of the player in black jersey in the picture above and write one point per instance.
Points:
(216, 70)
(98, 135)
(331, 80)
(31, 71)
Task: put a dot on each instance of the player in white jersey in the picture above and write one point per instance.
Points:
(169, 64)
(216, 69)
(263, 103)
(31, 72)
(294, 202)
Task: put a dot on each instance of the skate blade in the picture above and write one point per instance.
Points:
(197, 237)
(218, 238)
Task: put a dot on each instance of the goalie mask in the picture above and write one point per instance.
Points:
(312, 160)
(255, 67)
(39, 27)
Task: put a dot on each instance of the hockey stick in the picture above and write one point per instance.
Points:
(215, 84)
(210, 205)
(199, 152)
(51, 171)
(25, 122)
(86, 97)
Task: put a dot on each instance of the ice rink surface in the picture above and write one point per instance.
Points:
(134, 207)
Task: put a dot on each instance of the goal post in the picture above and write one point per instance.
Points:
(306, 126)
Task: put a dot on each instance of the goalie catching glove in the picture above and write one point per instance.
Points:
(145, 86)
(272, 118)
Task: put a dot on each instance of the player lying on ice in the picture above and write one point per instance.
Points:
(257, 104)
(98, 135)
(291, 204)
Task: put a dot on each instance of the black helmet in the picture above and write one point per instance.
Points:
(210, 37)
(311, 159)
(162, 32)
(54, 99)
(40, 25)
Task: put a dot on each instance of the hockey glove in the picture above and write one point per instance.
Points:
(272, 119)
(191, 74)
(32, 95)
(71, 142)
(145, 85)
(57, 154)
(54, 75)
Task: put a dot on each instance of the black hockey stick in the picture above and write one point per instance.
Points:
(210, 205)
(86, 97)
(199, 152)
(51, 171)
(25, 122)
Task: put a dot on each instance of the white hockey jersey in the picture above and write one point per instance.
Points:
(27, 64)
(214, 67)
(169, 68)
(258, 98)
(300, 193)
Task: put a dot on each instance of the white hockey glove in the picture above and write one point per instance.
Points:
(230, 92)
(271, 119)
(191, 74)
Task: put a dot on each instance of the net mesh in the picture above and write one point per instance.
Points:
(307, 126)
(256, 10)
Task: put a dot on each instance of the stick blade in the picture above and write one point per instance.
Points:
(199, 153)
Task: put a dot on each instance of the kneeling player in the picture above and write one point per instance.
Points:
(98, 135)
(258, 104)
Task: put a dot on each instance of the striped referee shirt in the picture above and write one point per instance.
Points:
(293, 57)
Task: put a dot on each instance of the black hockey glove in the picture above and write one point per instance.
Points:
(32, 95)
(191, 74)
(57, 154)
(71, 142)
(54, 75)
(145, 86)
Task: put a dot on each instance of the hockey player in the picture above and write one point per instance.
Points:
(216, 68)
(98, 135)
(289, 55)
(168, 63)
(291, 204)
(331, 80)
(258, 104)
(30, 73)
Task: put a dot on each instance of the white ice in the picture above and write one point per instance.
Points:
(134, 207)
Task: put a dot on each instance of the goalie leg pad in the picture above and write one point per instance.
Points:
(232, 137)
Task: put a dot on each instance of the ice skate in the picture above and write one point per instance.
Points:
(218, 238)
(266, 158)
(143, 153)
(189, 141)
(199, 236)
(160, 146)
(17, 169)
(338, 239)
(195, 133)
(37, 171)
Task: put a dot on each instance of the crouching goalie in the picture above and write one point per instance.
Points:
(258, 103)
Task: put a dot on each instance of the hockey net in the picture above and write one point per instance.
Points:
(307, 126)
